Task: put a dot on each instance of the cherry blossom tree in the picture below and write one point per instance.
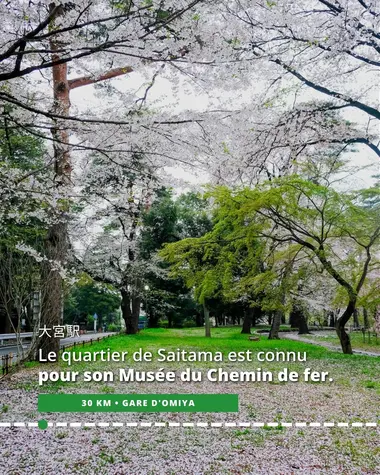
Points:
(115, 196)
(377, 322)
(328, 46)
(49, 39)
(292, 66)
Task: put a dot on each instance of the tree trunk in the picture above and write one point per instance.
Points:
(297, 320)
(293, 320)
(56, 240)
(365, 316)
(275, 328)
(56, 245)
(340, 324)
(217, 317)
(136, 306)
(356, 318)
(247, 322)
(153, 320)
(325, 318)
(332, 320)
(131, 323)
(303, 327)
(207, 321)
(344, 339)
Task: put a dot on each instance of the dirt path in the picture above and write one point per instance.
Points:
(295, 336)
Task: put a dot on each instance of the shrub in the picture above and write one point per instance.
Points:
(113, 328)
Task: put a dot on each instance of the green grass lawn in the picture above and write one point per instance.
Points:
(224, 340)
(352, 396)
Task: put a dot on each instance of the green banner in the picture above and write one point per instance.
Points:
(138, 403)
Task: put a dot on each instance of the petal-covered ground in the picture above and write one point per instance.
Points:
(352, 396)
